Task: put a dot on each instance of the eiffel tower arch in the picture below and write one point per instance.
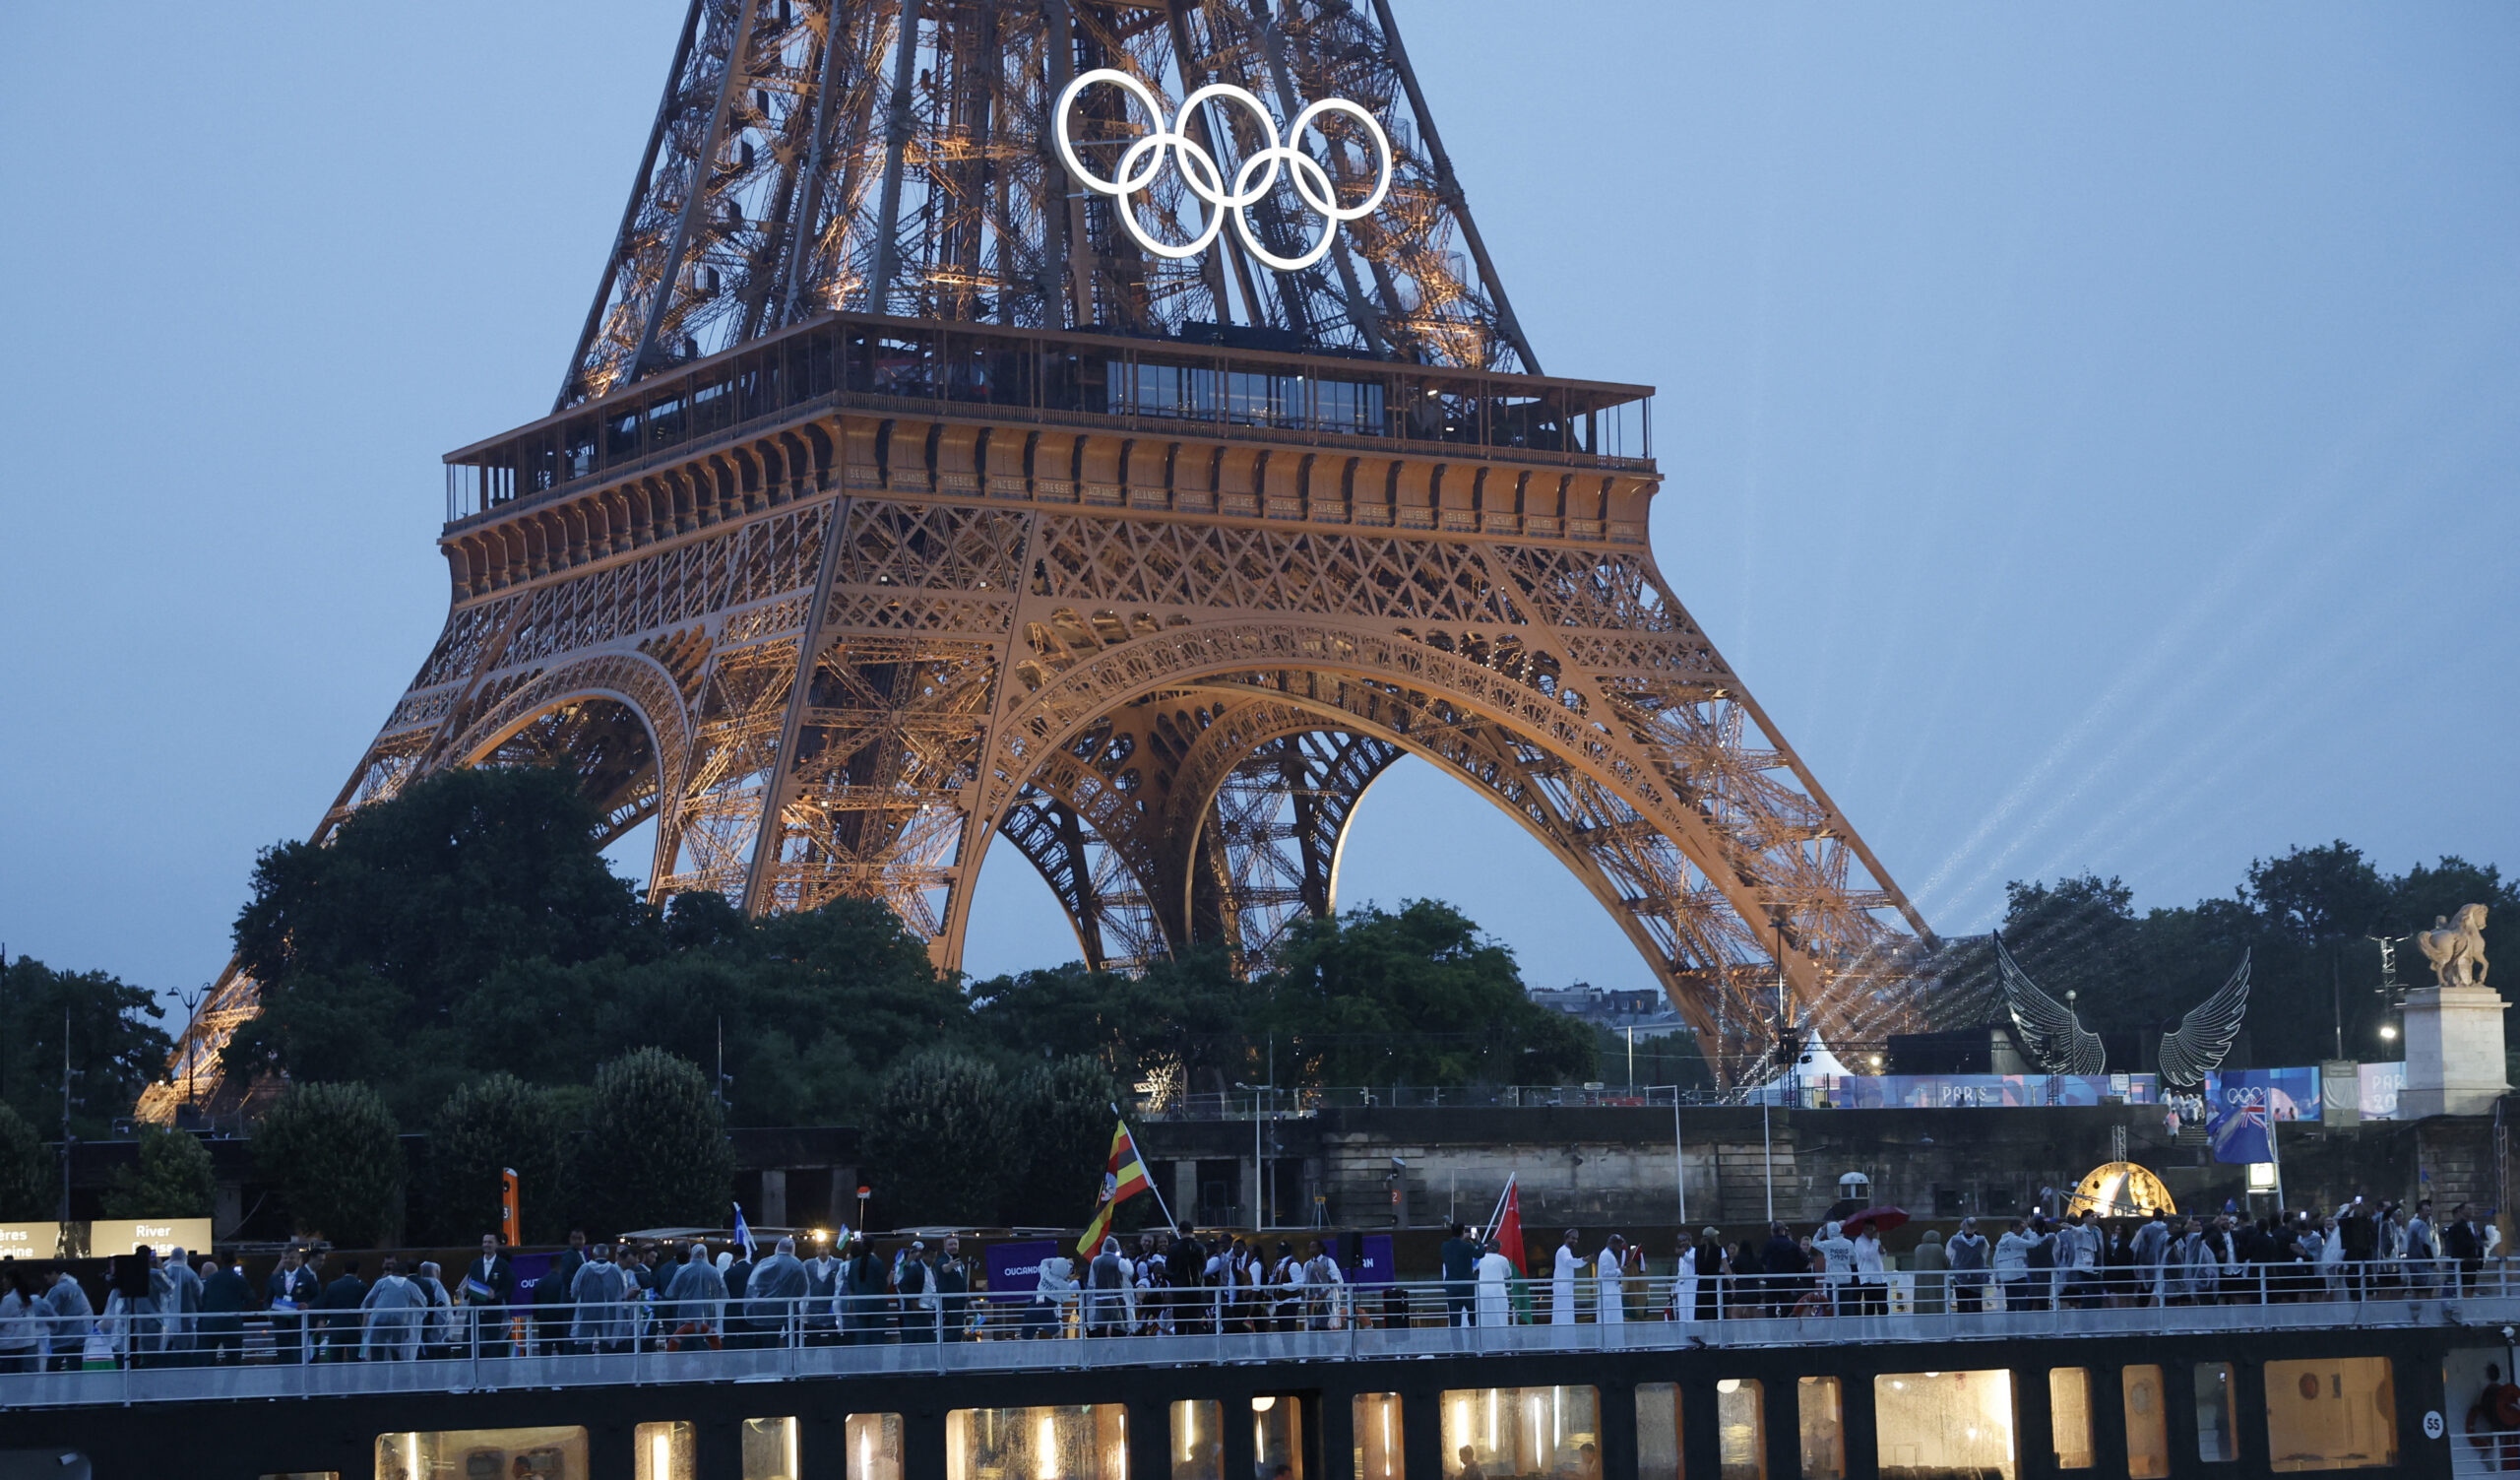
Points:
(896, 498)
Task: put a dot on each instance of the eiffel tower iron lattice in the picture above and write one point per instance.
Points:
(894, 500)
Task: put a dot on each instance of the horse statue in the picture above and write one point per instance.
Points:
(2456, 951)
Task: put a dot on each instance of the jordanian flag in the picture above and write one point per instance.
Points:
(1123, 1177)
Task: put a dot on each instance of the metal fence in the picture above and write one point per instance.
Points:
(1243, 1105)
(144, 1358)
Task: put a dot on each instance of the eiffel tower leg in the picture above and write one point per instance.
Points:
(1267, 853)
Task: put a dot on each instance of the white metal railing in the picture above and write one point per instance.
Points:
(129, 1359)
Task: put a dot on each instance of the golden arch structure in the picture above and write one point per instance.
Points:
(895, 501)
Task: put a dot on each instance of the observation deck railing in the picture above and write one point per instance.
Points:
(494, 1348)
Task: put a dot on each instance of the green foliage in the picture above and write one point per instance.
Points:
(29, 1176)
(173, 1179)
(484, 1130)
(336, 1154)
(937, 1142)
(369, 945)
(1187, 1021)
(2305, 919)
(1415, 998)
(1059, 1124)
(470, 926)
(115, 1046)
(656, 1153)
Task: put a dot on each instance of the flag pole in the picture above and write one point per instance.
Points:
(1498, 1215)
(1169, 1220)
(2275, 1154)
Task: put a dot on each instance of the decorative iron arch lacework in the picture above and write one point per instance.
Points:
(1703, 885)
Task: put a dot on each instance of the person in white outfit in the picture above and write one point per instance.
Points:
(1329, 1287)
(395, 1309)
(179, 1303)
(1839, 1249)
(2013, 1266)
(603, 1320)
(1494, 1293)
(1609, 1275)
(1872, 1283)
(437, 1327)
(1561, 1282)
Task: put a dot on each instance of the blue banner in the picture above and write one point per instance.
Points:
(1980, 1092)
(2243, 1131)
(2289, 1094)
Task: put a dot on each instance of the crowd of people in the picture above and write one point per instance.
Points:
(2081, 1261)
(855, 1289)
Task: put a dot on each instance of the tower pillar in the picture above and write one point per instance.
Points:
(2454, 1062)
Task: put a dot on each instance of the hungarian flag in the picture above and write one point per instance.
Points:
(1508, 1226)
(1123, 1177)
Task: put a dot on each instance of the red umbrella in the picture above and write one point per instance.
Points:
(1882, 1219)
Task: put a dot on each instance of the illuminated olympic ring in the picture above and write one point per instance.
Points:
(1252, 181)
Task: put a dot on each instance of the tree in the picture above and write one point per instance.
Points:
(471, 926)
(1059, 1124)
(115, 1046)
(30, 1179)
(1186, 1021)
(173, 1179)
(936, 1143)
(337, 1158)
(482, 1130)
(367, 946)
(658, 1156)
(2318, 896)
(1418, 998)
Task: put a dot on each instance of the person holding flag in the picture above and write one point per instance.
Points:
(1123, 1177)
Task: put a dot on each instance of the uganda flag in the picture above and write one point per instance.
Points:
(1123, 1177)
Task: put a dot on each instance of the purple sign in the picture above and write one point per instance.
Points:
(1369, 1261)
(1015, 1269)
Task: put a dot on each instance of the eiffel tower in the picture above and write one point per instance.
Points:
(897, 496)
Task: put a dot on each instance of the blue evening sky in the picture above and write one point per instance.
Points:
(2091, 430)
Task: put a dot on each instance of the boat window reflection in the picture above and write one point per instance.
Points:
(1944, 1425)
(2339, 1414)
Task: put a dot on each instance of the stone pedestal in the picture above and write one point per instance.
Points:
(2453, 1051)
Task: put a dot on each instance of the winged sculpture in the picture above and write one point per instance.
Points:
(2195, 1047)
(2050, 1035)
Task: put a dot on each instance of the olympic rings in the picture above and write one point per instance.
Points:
(1256, 177)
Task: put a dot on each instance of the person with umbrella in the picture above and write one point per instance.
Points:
(1871, 1277)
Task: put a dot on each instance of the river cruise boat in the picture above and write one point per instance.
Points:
(1379, 1383)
